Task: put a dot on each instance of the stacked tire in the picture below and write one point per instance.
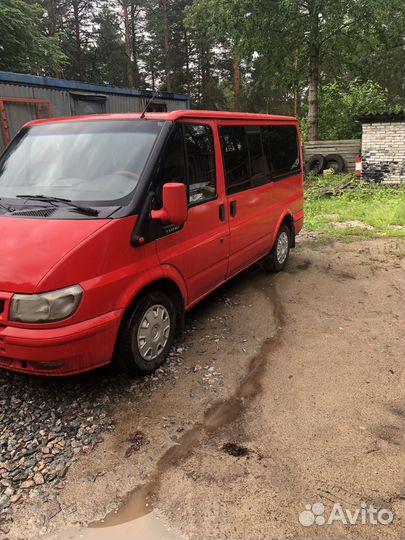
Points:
(318, 163)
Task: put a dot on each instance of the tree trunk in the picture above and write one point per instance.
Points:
(135, 68)
(200, 77)
(79, 51)
(152, 73)
(297, 95)
(313, 84)
(297, 102)
(203, 82)
(187, 56)
(128, 47)
(205, 67)
(51, 17)
(50, 6)
(236, 83)
(164, 8)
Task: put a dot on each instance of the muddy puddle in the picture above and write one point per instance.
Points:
(139, 502)
(148, 527)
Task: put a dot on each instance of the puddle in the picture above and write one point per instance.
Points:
(148, 527)
(138, 504)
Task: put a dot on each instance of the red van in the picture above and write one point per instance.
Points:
(113, 226)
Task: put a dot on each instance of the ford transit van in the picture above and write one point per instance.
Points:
(113, 226)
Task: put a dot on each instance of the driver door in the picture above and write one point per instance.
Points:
(199, 249)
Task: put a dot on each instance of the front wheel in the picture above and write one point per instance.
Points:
(276, 260)
(147, 334)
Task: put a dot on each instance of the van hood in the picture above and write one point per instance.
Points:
(30, 248)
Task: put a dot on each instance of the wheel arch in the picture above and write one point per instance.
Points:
(169, 287)
(285, 218)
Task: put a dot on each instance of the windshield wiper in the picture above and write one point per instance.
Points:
(83, 209)
(7, 208)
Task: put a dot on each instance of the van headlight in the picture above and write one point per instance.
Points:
(45, 307)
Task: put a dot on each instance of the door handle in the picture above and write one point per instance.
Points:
(233, 208)
(222, 212)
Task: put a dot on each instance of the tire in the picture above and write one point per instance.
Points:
(335, 161)
(315, 164)
(141, 349)
(276, 260)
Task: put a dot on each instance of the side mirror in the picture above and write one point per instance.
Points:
(175, 208)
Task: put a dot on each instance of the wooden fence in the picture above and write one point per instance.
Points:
(348, 149)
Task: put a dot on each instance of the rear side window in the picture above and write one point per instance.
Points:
(282, 150)
(246, 164)
(200, 161)
(236, 158)
(259, 169)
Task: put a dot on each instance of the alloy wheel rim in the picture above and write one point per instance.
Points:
(153, 332)
(282, 247)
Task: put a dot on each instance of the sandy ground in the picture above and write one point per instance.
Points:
(291, 394)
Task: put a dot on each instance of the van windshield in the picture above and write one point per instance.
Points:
(98, 162)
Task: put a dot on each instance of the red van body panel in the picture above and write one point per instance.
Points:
(200, 250)
(29, 252)
(111, 273)
(41, 255)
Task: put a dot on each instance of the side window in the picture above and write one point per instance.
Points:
(259, 170)
(200, 160)
(236, 158)
(282, 150)
(172, 167)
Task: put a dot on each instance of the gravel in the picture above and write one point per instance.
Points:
(44, 425)
(47, 423)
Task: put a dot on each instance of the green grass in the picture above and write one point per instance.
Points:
(381, 207)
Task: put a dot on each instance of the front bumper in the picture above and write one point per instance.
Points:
(64, 350)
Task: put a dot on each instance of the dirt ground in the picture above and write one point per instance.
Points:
(291, 394)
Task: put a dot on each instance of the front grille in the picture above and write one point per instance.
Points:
(2, 303)
(41, 212)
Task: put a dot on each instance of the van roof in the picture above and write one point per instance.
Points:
(173, 115)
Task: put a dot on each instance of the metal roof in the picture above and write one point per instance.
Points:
(62, 84)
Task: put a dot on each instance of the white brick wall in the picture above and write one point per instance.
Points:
(383, 151)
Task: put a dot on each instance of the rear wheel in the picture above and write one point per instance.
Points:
(276, 260)
(147, 334)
